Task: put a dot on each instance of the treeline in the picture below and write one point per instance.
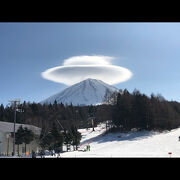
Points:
(45, 115)
(136, 110)
(126, 111)
(54, 138)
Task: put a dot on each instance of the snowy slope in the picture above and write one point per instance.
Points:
(87, 92)
(133, 144)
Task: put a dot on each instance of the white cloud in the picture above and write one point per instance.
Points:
(88, 60)
(79, 68)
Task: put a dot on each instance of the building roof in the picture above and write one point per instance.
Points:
(9, 127)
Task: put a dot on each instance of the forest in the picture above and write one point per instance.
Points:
(125, 110)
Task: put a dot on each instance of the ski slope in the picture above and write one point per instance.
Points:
(132, 144)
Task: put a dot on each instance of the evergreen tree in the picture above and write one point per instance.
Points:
(2, 111)
(57, 139)
(19, 137)
(68, 138)
(76, 137)
(44, 139)
(28, 136)
(123, 111)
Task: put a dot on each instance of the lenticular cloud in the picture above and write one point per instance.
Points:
(79, 68)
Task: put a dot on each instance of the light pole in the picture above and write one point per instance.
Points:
(92, 120)
(14, 104)
(7, 136)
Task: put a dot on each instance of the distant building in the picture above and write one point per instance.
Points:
(6, 139)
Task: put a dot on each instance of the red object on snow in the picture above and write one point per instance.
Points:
(169, 154)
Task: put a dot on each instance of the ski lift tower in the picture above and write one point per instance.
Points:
(91, 119)
(14, 104)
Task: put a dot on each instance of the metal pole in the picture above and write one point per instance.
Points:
(14, 127)
(92, 120)
(8, 146)
(14, 104)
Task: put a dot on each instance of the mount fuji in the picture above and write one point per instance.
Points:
(87, 92)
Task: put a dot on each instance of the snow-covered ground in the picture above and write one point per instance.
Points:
(132, 144)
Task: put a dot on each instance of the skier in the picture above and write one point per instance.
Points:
(179, 138)
(89, 147)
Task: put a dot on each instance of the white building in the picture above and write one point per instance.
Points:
(6, 140)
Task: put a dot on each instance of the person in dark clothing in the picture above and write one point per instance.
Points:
(33, 154)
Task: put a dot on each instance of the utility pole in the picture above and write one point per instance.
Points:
(7, 136)
(92, 121)
(14, 104)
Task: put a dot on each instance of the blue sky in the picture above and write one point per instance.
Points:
(151, 51)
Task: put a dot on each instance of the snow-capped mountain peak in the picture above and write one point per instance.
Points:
(87, 92)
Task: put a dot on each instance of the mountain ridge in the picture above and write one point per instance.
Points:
(86, 92)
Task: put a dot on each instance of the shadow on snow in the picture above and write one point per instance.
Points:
(129, 136)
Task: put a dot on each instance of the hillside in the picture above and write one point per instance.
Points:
(133, 144)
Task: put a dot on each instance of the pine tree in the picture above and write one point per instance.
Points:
(76, 137)
(2, 110)
(19, 137)
(28, 136)
(57, 139)
(68, 138)
(43, 140)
